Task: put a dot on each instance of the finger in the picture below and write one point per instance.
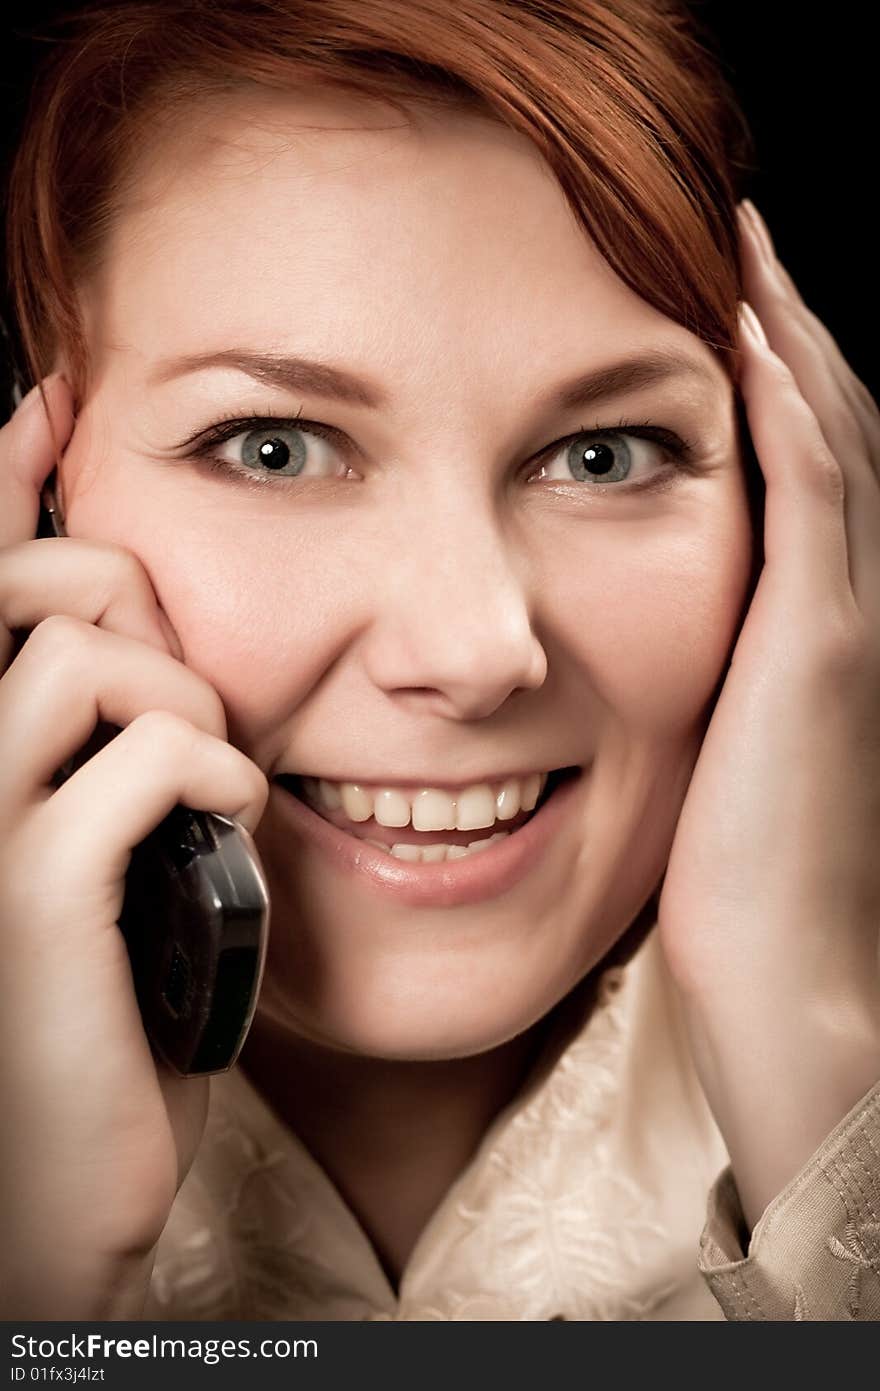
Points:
(27, 455)
(115, 800)
(839, 363)
(100, 583)
(805, 537)
(853, 385)
(843, 426)
(847, 414)
(68, 676)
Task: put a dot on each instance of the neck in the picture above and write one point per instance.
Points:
(392, 1136)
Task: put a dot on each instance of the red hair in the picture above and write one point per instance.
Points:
(623, 98)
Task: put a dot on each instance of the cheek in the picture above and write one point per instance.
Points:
(645, 611)
(656, 615)
(649, 628)
(248, 600)
(261, 617)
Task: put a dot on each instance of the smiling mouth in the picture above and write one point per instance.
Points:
(373, 830)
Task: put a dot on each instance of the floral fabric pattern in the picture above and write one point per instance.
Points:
(586, 1200)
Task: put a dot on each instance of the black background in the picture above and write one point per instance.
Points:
(806, 78)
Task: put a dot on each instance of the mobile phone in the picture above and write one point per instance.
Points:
(195, 915)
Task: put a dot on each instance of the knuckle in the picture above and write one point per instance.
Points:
(779, 366)
(126, 571)
(251, 781)
(778, 291)
(785, 378)
(165, 732)
(215, 711)
(9, 559)
(829, 476)
(61, 637)
(206, 709)
(259, 781)
(204, 716)
(841, 421)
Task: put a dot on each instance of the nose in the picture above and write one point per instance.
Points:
(453, 624)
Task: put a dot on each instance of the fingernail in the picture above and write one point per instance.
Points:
(751, 323)
(762, 231)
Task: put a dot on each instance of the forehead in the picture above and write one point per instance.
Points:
(308, 223)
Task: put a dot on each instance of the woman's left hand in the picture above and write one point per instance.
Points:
(769, 914)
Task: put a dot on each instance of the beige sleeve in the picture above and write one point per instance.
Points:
(815, 1252)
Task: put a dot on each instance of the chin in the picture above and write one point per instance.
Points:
(447, 1005)
(349, 971)
(416, 1040)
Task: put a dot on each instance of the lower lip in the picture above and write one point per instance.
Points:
(470, 879)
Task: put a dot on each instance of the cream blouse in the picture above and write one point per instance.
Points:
(602, 1191)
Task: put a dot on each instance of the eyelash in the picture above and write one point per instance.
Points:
(228, 427)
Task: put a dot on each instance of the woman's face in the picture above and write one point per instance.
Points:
(449, 587)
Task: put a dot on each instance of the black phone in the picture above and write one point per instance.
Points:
(195, 915)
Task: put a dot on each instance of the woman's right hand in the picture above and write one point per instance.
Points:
(98, 1134)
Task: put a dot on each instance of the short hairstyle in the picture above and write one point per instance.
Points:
(624, 99)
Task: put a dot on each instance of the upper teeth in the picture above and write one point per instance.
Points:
(430, 808)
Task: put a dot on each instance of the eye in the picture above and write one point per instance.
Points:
(610, 458)
(272, 447)
(271, 450)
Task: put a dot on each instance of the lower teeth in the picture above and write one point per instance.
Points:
(432, 854)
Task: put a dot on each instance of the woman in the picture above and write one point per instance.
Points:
(404, 409)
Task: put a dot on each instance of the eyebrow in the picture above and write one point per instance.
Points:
(313, 378)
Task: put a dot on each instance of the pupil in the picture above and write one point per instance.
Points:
(593, 458)
(274, 461)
